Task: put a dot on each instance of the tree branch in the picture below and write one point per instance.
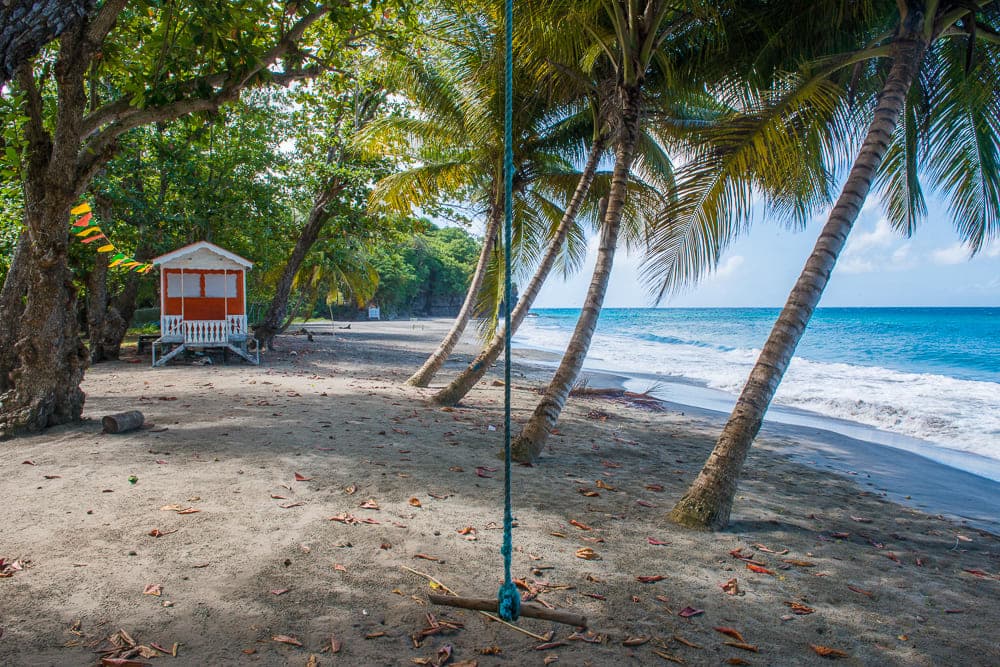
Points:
(102, 24)
(225, 83)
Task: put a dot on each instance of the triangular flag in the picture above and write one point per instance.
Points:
(88, 231)
(94, 238)
(106, 248)
(129, 265)
(84, 221)
(82, 208)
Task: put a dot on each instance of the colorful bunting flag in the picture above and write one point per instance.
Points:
(89, 233)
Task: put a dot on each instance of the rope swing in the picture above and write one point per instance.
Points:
(508, 603)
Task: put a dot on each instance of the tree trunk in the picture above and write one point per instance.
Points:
(468, 378)
(15, 288)
(28, 25)
(97, 306)
(273, 322)
(426, 373)
(51, 356)
(529, 444)
(708, 502)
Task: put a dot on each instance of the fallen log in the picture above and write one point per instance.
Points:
(122, 422)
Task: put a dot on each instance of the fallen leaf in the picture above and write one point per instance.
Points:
(277, 497)
(731, 587)
(737, 661)
(370, 504)
(688, 612)
(840, 536)
(28, 463)
(427, 557)
(744, 646)
(313, 661)
(285, 639)
(652, 579)
(671, 658)
(414, 502)
(483, 472)
(153, 589)
(658, 488)
(335, 645)
(339, 568)
(280, 591)
(635, 641)
(546, 646)
(590, 637)
(351, 490)
(861, 590)
(799, 608)
(731, 632)
(581, 526)
(861, 519)
(761, 547)
(586, 553)
(286, 506)
(588, 492)
(299, 477)
(828, 652)
(156, 532)
(690, 644)
(655, 542)
(189, 510)
(798, 563)
(644, 503)
(601, 484)
(759, 569)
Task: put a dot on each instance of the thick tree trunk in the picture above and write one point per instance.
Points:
(708, 502)
(426, 373)
(15, 287)
(51, 356)
(28, 25)
(529, 444)
(468, 378)
(97, 306)
(273, 322)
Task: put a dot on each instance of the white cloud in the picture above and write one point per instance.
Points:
(855, 265)
(868, 251)
(992, 250)
(956, 253)
(880, 237)
(729, 266)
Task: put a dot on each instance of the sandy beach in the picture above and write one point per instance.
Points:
(279, 513)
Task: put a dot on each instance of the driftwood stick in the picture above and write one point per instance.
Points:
(122, 422)
(527, 609)
(489, 616)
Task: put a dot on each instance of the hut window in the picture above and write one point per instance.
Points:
(218, 285)
(191, 285)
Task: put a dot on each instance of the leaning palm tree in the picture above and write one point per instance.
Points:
(456, 145)
(627, 38)
(937, 115)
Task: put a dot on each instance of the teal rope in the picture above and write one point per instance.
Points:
(508, 597)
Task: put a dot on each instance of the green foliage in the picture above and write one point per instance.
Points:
(427, 270)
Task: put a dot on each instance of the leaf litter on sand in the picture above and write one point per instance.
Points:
(828, 652)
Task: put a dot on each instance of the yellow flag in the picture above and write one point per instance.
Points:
(81, 209)
(88, 231)
(129, 265)
(116, 262)
(106, 248)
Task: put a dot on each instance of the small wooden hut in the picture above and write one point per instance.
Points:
(202, 302)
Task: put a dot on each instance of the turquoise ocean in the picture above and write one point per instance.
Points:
(922, 379)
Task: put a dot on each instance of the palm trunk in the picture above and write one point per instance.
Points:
(529, 444)
(272, 324)
(426, 373)
(468, 378)
(15, 286)
(708, 502)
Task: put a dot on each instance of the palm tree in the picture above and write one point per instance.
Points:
(946, 97)
(457, 144)
(629, 38)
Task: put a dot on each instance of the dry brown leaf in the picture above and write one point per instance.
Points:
(798, 563)
(828, 652)
(285, 639)
(652, 579)
(299, 477)
(690, 644)
(415, 502)
(635, 641)
(744, 646)
(588, 492)
(601, 484)
(759, 569)
(731, 632)
(586, 553)
(671, 658)
(577, 524)
(428, 557)
(189, 510)
(737, 661)
(799, 608)
(153, 589)
(731, 587)
(313, 661)
(370, 504)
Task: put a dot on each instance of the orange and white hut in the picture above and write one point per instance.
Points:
(202, 302)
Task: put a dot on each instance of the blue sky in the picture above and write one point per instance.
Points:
(878, 268)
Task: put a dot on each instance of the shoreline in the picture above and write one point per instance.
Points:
(907, 477)
(296, 499)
